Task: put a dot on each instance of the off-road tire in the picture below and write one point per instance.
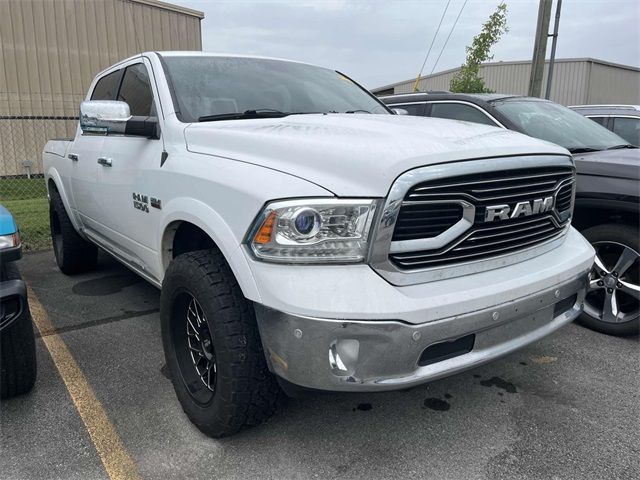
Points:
(625, 235)
(73, 253)
(17, 348)
(245, 393)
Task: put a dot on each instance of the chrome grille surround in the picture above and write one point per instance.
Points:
(384, 249)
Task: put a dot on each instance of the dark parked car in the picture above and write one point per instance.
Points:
(607, 203)
(621, 119)
(17, 343)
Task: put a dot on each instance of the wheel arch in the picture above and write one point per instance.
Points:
(55, 184)
(589, 212)
(192, 225)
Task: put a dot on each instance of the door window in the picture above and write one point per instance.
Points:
(136, 91)
(628, 128)
(599, 120)
(413, 109)
(107, 86)
(458, 111)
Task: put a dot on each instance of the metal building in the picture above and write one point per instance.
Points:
(50, 52)
(576, 81)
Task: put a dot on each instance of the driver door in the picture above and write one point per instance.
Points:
(126, 171)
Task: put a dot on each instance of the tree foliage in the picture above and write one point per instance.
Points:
(467, 79)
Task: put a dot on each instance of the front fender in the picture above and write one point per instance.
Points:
(200, 214)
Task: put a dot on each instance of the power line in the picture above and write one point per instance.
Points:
(415, 86)
(449, 36)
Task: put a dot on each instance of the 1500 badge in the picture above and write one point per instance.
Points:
(141, 202)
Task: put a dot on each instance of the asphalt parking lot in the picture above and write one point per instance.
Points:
(565, 407)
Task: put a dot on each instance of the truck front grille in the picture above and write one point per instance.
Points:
(426, 220)
(421, 218)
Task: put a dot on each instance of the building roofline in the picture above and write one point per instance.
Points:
(171, 7)
(512, 62)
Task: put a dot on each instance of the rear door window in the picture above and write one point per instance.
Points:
(459, 111)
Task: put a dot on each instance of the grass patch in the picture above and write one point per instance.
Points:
(27, 200)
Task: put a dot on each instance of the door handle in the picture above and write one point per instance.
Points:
(73, 156)
(105, 162)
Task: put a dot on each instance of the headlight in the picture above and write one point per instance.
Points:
(8, 241)
(313, 231)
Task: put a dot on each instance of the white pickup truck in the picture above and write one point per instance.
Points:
(304, 235)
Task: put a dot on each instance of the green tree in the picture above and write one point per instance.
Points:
(467, 79)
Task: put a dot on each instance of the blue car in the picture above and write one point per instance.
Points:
(17, 342)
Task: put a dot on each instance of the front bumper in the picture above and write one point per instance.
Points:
(348, 355)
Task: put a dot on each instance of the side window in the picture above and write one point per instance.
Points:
(413, 109)
(628, 128)
(599, 120)
(136, 90)
(458, 111)
(107, 86)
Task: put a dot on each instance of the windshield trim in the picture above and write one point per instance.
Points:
(176, 101)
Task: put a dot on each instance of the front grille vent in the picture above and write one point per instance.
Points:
(563, 199)
(426, 220)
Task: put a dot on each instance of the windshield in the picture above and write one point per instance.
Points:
(209, 86)
(557, 124)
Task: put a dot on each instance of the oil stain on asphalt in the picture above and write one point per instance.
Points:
(500, 383)
(105, 285)
(364, 407)
(436, 404)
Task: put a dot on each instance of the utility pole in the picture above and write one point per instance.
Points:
(553, 49)
(540, 48)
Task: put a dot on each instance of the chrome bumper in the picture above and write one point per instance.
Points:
(343, 355)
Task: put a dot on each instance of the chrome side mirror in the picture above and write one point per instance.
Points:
(104, 116)
(110, 116)
(399, 111)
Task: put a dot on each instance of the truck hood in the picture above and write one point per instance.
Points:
(356, 154)
(621, 163)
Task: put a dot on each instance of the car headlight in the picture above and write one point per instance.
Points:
(8, 241)
(313, 231)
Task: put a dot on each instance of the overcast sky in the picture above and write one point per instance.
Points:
(380, 42)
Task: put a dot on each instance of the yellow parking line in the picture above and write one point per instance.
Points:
(117, 462)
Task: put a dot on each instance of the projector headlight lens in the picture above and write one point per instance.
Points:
(313, 231)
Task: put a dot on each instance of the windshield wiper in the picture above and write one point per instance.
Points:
(258, 113)
(583, 150)
(357, 111)
(618, 147)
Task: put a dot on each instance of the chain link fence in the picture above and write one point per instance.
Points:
(22, 188)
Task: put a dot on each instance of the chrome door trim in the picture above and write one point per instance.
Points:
(383, 233)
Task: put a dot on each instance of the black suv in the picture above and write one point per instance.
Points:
(607, 203)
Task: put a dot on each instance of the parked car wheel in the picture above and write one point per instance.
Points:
(17, 347)
(212, 346)
(73, 253)
(612, 304)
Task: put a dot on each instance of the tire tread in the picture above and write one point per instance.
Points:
(253, 391)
